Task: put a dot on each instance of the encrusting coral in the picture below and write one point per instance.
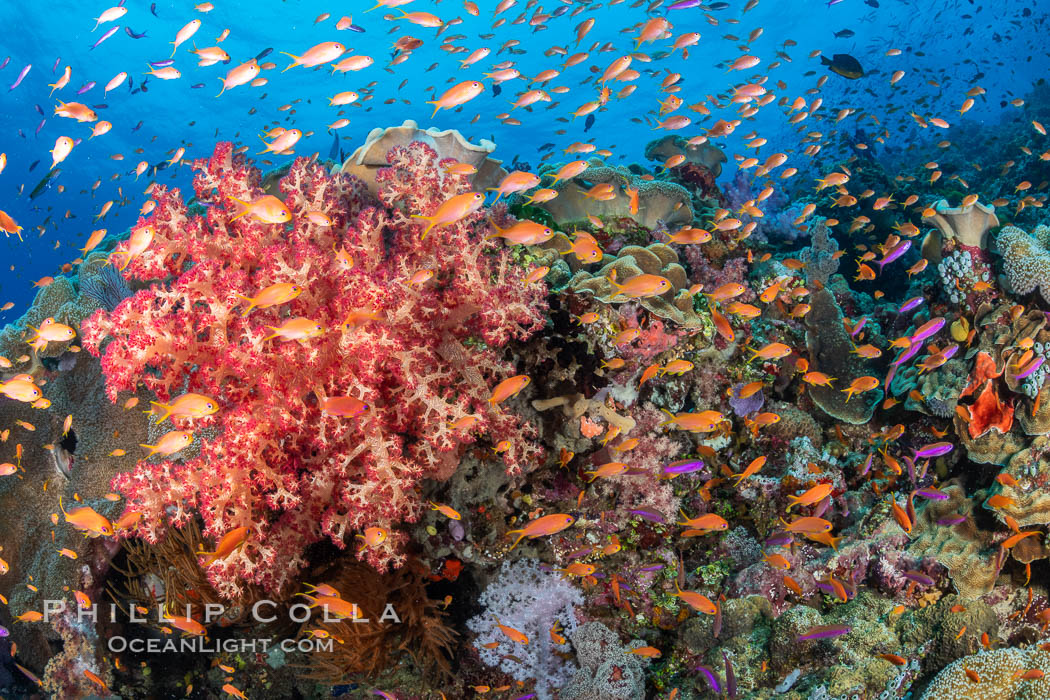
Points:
(276, 463)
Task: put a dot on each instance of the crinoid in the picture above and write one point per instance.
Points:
(396, 618)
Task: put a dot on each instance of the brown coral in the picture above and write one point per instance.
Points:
(830, 351)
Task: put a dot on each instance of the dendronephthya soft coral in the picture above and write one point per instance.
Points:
(415, 349)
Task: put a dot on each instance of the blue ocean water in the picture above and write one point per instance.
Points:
(946, 48)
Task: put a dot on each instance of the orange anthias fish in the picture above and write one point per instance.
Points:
(512, 634)
(640, 286)
(266, 209)
(703, 422)
(813, 495)
(508, 388)
(186, 406)
(226, 546)
(87, 520)
(452, 210)
(695, 600)
(807, 524)
(524, 232)
(860, 385)
(547, 525)
(447, 511)
(274, 295)
(169, 443)
(708, 522)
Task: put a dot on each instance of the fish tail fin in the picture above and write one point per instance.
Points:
(165, 409)
(437, 107)
(251, 304)
(499, 231)
(667, 422)
(825, 61)
(295, 60)
(520, 538)
(245, 208)
(220, 91)
(151, 449)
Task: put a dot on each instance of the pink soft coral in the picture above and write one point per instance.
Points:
(270, 459)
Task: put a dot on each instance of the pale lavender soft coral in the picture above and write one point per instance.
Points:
(530, 600)
(779, 213)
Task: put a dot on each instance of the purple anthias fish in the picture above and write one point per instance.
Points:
(57, 61)
(927, 330)
(934, 449)
(897, 251)
(6, 61)
(108, 34)
(711, 677)
(648, 515)
(867, 465)
(951, 520)
(906, 355)
(20, 78)
(162, 64)
(779, 539)
(1030, 368)
(730, 677)
(3, 631)
(913, 303)
(685, 466)
(949, 352)
(683, 4)
(857, 328)
(918, 577)
(652, 567)
(825, 632)
(85, 87)
(932, 493)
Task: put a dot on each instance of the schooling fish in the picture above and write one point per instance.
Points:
(133, 35)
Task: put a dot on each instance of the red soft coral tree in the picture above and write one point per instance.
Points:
(270, 459)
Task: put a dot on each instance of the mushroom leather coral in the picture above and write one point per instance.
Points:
(989, 413)
(270, 458)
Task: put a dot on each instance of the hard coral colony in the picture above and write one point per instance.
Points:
(761, 416)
